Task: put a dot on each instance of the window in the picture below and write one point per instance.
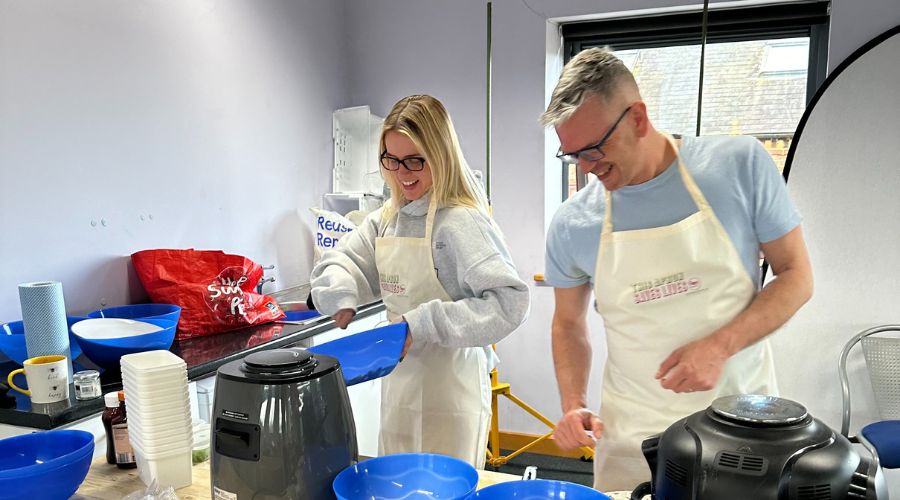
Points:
(629, 57)
(790, 58)
(762, 66)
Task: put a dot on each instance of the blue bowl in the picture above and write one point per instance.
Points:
(105, 352)
(367, 355)
(140, 311)
(539, 489)
(407, 476)
(44, 465)
(12, 340)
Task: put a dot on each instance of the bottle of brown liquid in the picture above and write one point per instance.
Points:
(112, 408)
(119, 424)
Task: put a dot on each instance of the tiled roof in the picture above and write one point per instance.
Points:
(738, 97)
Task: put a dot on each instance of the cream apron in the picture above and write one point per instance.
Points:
(657, 290)
(438, 399)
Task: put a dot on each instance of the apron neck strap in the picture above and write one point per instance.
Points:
(388, 211)
(429, 219)
(689, 184)
(607, 214)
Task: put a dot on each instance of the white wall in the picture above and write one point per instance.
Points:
(442, 52)
(145, 124)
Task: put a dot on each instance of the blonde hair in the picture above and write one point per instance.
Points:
(426, 122)
(593, 71)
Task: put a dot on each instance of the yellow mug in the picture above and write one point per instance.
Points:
(47, 377)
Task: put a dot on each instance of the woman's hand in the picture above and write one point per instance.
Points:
(406, 344)
(343, 318)
(408, 341)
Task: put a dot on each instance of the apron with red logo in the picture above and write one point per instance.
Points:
(658, 289)
(438, 399)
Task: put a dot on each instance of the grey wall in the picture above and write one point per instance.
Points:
(854, 23)
(147, 124)
(447, 60)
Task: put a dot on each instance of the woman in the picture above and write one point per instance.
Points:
(439, 263)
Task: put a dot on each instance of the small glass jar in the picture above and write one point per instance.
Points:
(87, 384)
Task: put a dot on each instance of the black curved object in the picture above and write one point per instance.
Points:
(641, 491)
(6, 400)
(846, 63)
(866, 47)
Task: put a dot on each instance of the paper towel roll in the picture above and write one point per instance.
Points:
(44, 318)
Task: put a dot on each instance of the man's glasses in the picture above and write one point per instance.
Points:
(592, 153)
(413, 163)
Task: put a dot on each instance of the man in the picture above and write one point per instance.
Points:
(669, 241)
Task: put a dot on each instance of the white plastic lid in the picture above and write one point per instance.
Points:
(111, 399)
(152, 361)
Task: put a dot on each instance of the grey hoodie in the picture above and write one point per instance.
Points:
(472, 264)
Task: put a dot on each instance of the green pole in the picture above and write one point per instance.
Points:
(702, 61)
(487, 128)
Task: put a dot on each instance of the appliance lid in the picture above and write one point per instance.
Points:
(279, 361)
(279, 366)
(759, 410)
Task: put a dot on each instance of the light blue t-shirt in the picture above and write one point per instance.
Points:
(736, 175)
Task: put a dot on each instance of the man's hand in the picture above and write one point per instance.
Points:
(577, 428)
(696, 366)
(343, 318)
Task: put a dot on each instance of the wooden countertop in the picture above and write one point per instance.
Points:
(108, 482)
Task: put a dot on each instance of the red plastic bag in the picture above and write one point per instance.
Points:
(216, 291)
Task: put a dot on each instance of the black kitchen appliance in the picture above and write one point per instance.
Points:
(752, 447)
(282, 427)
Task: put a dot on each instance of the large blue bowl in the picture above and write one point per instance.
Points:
(407, 476)
(140, 311)
(12, 340)
(47, 465)
(106, 352)
(367, 355)
(539, 489)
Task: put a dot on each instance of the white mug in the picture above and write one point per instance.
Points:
(47, 377)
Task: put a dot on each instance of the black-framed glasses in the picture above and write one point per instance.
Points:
(413, 163)
(593, 152)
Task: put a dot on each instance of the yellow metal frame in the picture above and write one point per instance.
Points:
(494, 458)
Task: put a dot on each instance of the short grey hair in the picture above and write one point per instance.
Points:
(593, 71)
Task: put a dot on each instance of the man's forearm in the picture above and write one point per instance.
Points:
(572, 361)
(770, 309)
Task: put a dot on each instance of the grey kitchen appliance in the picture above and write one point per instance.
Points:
(756, 447)
(282, 426)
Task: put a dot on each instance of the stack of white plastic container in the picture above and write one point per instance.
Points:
(159, 416)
